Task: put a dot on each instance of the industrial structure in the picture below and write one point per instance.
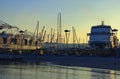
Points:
(103, 36)
(14, 38)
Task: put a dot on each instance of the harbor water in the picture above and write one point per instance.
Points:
(47, 70)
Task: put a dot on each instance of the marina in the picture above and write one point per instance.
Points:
(59, 39)
(12, 38)
(102, 41)
(23, 46)
(102, 50)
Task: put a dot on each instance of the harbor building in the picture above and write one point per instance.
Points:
(103, 36)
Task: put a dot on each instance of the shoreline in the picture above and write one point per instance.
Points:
(112, 63)
(91, 62)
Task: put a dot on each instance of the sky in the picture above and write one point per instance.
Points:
(82, 14)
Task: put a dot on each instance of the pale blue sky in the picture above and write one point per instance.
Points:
(81, 14)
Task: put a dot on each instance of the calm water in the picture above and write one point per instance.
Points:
(50, 71)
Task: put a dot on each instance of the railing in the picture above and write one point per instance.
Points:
(100, 33)
(16, 46)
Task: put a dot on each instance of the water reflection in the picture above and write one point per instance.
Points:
(103, 74)
(51, 71)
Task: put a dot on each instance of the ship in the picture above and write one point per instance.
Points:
(103, 36)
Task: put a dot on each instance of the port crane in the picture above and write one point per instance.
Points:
(39, 37)
(75, 38)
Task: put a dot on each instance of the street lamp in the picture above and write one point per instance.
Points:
(21, 32)
(67, 34)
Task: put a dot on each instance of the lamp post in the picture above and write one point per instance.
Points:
(115, 44)
(67, 34)
(21, 32)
